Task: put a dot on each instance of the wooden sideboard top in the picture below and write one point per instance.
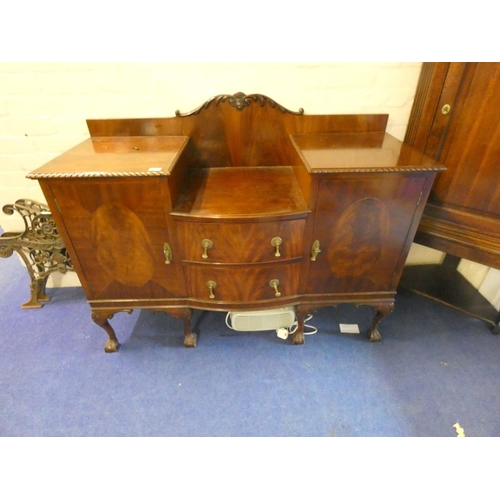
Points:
(116, 157)
(362, 151)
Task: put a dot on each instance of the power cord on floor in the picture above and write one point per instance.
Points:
(228, 315)
(284, 332)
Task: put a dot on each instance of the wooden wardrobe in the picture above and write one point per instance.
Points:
(456, 120)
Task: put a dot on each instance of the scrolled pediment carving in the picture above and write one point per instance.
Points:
(240, 101)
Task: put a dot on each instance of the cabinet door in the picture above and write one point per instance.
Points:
(364, 225)
(117, 229)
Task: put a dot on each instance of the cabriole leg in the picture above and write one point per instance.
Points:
(101, 318)
(185, 314)
(298, 336)
(382, 311)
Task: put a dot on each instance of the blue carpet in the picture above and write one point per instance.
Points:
(435, 367)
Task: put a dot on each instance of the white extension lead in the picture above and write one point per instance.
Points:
(283, 333)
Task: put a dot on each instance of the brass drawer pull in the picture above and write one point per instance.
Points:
(315, 250)
(167, 252)
(211, 286)
(276, 242)
(206, 245)
(274, 284)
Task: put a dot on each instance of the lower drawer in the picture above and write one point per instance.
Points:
(242, 284)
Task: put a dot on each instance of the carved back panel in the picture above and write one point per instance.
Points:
(240, 130)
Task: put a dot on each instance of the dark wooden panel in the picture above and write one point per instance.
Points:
(425, 104)
(223, 135)
(363, 226)
(240, 192)
(117, 228)
(116, 157)
(241, 242)
(463, 212)
(444, 284)
(243, 284)
(363, 152)
(473, 159)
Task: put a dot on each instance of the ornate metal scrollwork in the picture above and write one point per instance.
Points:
(240, 101)
(40, 246)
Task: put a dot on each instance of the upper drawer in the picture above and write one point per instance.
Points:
(246, 242)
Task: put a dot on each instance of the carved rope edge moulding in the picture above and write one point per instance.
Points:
(94, 174)
(159, 174)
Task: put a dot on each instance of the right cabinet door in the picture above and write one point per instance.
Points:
(364, 224)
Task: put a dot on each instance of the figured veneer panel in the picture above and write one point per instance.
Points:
(123, 247)
(117, 229)
(235, 242)
(243, 284)
(363, 227)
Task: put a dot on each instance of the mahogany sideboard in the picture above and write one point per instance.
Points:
(238, 205)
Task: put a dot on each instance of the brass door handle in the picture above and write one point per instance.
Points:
(274, 284)
(276, 242)
(206, 245)
(211, 286)
(315, 250)
(167, 252)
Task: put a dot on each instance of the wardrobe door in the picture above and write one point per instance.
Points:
(455, 120)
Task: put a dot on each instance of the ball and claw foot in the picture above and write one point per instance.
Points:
(190, 340)
(100, 318)
(382, 311)
(111, 346)
(298, 338)
(374, 335)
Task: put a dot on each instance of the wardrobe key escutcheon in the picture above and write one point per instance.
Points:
(315, 250)
(211, 286)
(167, 252)
(274, 284)
(276, 242)
(206, 245)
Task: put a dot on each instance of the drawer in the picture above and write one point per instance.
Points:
(247, 242)
(242, 284)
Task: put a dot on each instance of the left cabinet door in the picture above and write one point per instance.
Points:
(117, 230)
